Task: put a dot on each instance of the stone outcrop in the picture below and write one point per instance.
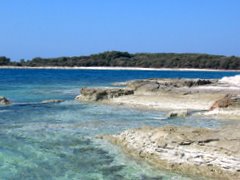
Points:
(94, 94)
(194, 151)
(199, 96)
(148, 85)
(4, 101)
(52, 101)
(158, 84)
(229, 101)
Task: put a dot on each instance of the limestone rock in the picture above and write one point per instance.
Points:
(138, 83)
(229, 101)
(197, 82)
(4, 101)
(149, 86)
(194, 151)
(93, 94)
(154, 84)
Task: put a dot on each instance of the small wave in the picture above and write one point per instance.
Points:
(41, 103)
(2, 111)
(27, 104)
(232, 80)
(159, 118)
(67, 91)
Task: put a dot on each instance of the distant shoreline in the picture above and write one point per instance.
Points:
(117, 68)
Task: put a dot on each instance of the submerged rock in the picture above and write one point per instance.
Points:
(92, 94)
(52, 101)
(180, 113)
(4, 101)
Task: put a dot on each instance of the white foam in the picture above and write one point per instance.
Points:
(233, 80)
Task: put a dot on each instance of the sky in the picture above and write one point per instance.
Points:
(55, 28)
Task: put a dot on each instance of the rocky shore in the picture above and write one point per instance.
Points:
(92, 94)
(193, 151)
(213, 153)
(208, 97)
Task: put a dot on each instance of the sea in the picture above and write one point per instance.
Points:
(58, 141)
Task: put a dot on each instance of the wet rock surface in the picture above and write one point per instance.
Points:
(4, 101)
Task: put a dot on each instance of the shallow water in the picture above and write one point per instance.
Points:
(57, 141)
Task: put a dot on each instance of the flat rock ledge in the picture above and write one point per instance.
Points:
(193, 151)
(161, 84)
(4, 101)
(98, 94)
(201, 97)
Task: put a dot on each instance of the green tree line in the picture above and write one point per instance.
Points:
(125, 59)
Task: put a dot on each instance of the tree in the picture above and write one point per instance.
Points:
(4, 61)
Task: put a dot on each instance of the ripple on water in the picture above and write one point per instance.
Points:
(56, 141)
(66, 155)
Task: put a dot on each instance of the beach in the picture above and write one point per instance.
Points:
(118, 68)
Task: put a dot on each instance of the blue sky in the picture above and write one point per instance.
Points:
(53, 28)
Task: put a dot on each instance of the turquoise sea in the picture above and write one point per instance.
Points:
(57, 141)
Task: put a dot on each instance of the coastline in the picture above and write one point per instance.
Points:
(185, 150)
(208, 98)
(209, 153)
(117, 68)
(206, 152)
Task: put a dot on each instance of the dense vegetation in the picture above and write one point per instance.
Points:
(125, 59)
(4, 61)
